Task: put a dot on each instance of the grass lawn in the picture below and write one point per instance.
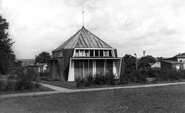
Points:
(168, 99)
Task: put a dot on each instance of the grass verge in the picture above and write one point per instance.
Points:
(168, 99)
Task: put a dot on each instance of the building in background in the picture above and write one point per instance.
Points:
(178, 60)
(170, 64)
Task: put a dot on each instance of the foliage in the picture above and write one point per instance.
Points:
(44, 74)
(80, 82)
(20, 81)
(129, 63)
(6, 56)
(180, 54)
(41, 58)
(98, 79)
(144, 61)
(136, 76)
(140, 76)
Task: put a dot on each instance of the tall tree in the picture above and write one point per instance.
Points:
(6, 53)
(144, 61)
(130, 63)
(42, 57)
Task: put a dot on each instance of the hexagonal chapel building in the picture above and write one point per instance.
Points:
(83, 54)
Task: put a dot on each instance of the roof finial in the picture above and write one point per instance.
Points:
(83, 16)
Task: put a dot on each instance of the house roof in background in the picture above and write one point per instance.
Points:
(182, 56)
(156, 65)
(171, 61)
(83, 39)
(27, 62)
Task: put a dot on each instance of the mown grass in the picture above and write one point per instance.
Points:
(168, 99)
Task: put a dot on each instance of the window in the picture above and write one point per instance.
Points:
(101, 53)
(110, 53)
(77, 53)
(109, 67)
(106, 53)
(91, 53)
(96, 53)
(87, 53)
(100, 67)
(81, 53)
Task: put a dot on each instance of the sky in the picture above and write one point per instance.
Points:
(131, 26)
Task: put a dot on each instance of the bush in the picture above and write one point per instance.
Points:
(3, 85)
(10, 85)
(20, 82)
(25, 81)
(98, 79)
(139, 76)
(12, 76)
(44, 74)
(110, 79)
(80, 82)
(89, 81)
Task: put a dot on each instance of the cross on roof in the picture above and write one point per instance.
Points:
(83, 16)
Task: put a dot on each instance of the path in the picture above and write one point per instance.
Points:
(64, 90)
(56, 88)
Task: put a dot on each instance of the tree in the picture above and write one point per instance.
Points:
(144, 61)
(130, 63)
(180, 54)
(42, 57)
(6, 54)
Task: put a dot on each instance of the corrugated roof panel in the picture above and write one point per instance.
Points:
(80, 42)
(91, 39)
(95, 45)
(83, 39)
(98, 42)
(88, 39)
(73, 42)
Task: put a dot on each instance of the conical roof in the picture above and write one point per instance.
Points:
(83, 39)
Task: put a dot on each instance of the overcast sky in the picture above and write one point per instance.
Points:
(131, 26)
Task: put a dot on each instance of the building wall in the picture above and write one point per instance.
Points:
(181, 60)
(166, 65)
(56, 54)
(83, 72)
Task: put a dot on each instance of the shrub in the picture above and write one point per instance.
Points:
(10, 85)
(80, 82)
(89, 81)
(44, 74)
(99, 79)
(25, 81)
(37, 85)
(12, 76)
(139, 76)
(3, 85)
(110, 79)
(21, 79)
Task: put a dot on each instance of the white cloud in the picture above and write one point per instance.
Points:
(130, 26)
